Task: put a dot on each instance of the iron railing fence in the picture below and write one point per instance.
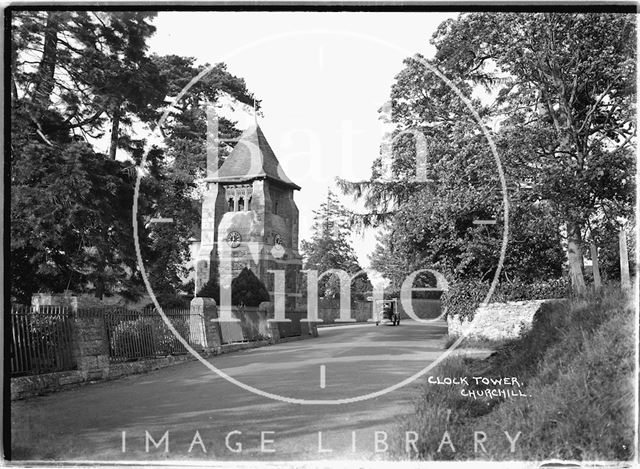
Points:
(41, 340)
(133, 335)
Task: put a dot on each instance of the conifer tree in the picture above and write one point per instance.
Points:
(330, 248)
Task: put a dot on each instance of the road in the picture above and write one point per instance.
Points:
(201, 410)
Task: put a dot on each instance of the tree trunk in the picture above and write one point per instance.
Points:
(115, 130)
(574, 254)
(99, 293)
(597, 282)
(47, 67)
(625, 280)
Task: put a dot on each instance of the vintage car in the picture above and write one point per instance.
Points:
(387, 311)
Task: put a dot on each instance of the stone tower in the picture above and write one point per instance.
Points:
(249, 218)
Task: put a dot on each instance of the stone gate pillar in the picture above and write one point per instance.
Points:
(267, 308)
(208, 310)
(91, 346)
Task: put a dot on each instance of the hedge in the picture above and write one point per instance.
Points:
(464, 297)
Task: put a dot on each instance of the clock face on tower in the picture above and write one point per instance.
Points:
(234, 239)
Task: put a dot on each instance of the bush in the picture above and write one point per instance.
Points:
(147, 336)
(248, 290)
(170, 301)
(132, 339)
(464, 297)
(212, 288)
(44, 343)
(416, 295)
(540, 290)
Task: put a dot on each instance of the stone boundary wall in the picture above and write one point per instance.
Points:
(496, 321)
(329, 309)
(423, 308)
(34, 385)
(92, 355)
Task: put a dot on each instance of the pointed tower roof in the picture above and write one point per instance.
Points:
(252, 158)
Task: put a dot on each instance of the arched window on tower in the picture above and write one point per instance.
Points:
(249, 203)
(241, 204)
(230, 207)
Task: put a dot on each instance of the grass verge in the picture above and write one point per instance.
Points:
(573, 373)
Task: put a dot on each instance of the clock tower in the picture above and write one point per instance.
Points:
(249, 219)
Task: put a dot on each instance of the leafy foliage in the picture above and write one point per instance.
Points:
(563, 122)
(463, 298)
(93, 68)
(70, 223)
(329, 248)
(248, 290)
(173, 186)
(212, 288)
(147, 336)
(581, 346)
(76, 75)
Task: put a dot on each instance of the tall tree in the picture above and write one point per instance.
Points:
(563, 120)
(92, 67)
(75, 77)
(173, 186)
(70, 216)
(330, 248)
(569, 81)
(70, 205)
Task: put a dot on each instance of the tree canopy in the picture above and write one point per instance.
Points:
(78, 79)
(559, 102)
(330, 248)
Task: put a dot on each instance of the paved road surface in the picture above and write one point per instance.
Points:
(86, 423)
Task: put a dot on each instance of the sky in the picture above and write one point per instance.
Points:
(321, 78)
